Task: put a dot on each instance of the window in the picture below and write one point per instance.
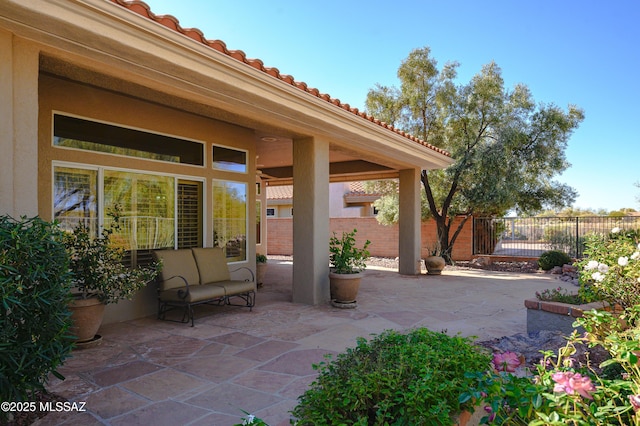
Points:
(147, 205)
(230, 218)
(189, 214)
(71, 132)
(75, 196)
(228, 159)
(271, 212)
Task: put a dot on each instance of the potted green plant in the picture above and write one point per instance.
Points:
(347, 261)
(99, 277)
(434, 263)
(261, 268)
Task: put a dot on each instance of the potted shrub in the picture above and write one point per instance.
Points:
(99, 277)
(261, 268)
(347, 261)
(434, 263)
(394, 378)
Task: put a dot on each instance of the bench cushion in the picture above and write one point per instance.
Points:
(233, 288)
(212, 264)
(197, 293)
(177, 262)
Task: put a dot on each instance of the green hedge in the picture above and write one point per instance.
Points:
(34, 315)
(404, 379)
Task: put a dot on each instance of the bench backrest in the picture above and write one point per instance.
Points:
(196, 265)
(176, 262)
(212, 264)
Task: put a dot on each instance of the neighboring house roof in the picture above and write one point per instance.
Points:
(171, 22)
(356, 193)
(280, 192)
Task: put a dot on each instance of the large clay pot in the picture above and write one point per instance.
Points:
(344, 287)
(86, 316)
(434, 265)
(261, 270)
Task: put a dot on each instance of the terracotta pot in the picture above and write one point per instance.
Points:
(470, 417)
(86, 315)
(344, 287)
(434, 265)
(261, 270)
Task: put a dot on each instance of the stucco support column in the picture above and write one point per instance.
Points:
(310, 221)
(409, 222)
(18, 126)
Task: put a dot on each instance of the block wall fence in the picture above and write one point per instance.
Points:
(384, 239)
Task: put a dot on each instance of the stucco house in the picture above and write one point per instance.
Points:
(105, 104)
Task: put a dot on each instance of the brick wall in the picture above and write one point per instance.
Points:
(384, 239)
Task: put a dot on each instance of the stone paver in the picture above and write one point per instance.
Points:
(147, 371)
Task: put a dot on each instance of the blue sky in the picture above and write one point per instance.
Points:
(585, 53)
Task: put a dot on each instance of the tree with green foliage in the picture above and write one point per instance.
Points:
(507, 148)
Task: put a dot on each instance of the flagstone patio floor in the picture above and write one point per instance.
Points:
(147, 371)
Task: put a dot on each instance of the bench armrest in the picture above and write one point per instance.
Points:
(253, 277)
(181, 293)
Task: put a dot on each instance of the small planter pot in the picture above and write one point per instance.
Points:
(344, 287)
(434, 265)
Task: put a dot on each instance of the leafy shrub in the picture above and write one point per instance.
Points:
(552, 258)
(97, 268)
(612, 267)
(344, 256)
(395, 378)
(561, 295)
(34, 316)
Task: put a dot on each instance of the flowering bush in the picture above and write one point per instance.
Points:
(612, 267)
(563, 391)
(96, 266)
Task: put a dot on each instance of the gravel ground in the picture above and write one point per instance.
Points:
(527, 267)
(387, 262)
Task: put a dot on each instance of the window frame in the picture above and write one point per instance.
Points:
(220, 169)
(203, 144)
(246, 215)
(100, 192)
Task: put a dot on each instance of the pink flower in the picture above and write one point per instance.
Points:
(571, 383)
(507, 361)
(489, 411)
(635, 402)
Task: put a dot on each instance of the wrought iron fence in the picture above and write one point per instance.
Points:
(531, 236)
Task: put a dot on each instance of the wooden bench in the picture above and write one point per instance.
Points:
(198, 276)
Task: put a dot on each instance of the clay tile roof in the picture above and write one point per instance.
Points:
(357, 189)
(283, 192)
(141, 8)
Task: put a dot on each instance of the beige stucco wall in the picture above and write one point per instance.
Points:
(88, 102)
(18, 125)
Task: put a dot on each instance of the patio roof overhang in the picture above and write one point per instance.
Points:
(102, 43)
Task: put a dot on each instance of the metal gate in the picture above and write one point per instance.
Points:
(531, 236)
